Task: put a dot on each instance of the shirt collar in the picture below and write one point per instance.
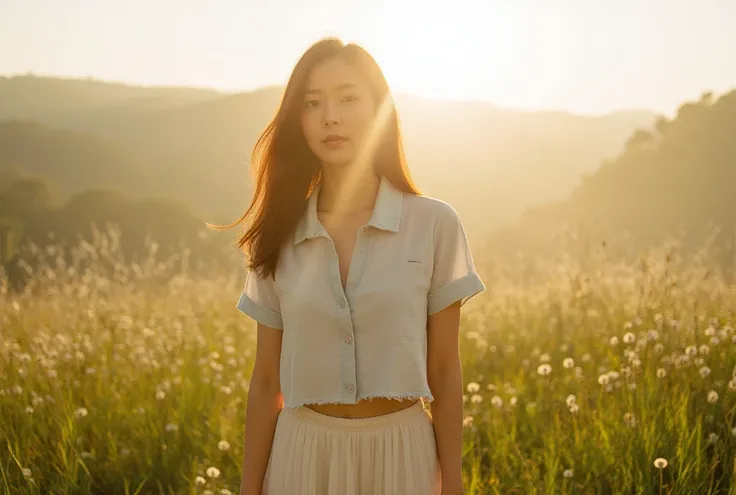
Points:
(386, 212)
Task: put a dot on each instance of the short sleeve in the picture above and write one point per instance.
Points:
(454, 277)
(260, 301)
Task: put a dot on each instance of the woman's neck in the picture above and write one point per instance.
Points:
(344, 190)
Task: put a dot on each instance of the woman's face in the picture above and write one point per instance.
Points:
(337, 112)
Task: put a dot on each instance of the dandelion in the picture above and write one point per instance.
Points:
(496, 402)
(691, 350)
(704, 350)
(223, 445)
(574, 407)
(661, 373)
(213, 472)
(468, 421)
(476, 399)
(570, 400)
(629, 338)
(160, 395)
(567, 473)
(568, 363)
(710, 331)
(200, 481)
(473, 387)
(586, 357)
(712, 438)
(613, 341)
(704, 372)
(732, 385)
(603, 379)
(80, 413)
(544, 358)
(225, 491)
(513, 401)
(171, 427)
(658, 348)
(544, 369)
(29, 410)
(660, 463)
(712, 397)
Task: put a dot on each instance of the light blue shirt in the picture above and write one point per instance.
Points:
(410, 260)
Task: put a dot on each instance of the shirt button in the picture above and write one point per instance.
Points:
(350, 389)
(342, 303)
(349, 339)
(350, 287)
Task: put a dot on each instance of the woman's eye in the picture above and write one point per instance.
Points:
(350, 98)
(311, 103)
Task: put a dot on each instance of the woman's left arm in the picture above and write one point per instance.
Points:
(446, 383)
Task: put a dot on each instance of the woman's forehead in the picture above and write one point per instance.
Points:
(333, 74)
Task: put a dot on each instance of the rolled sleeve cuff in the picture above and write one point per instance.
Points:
(262, 315)
(462, 289)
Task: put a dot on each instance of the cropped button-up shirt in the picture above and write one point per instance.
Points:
(411, 259)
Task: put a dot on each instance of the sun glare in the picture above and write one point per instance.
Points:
(444, 52)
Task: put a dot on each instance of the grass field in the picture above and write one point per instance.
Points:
(590, 377)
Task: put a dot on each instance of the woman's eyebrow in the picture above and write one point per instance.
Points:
(336, 88)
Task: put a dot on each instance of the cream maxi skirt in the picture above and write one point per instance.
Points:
(315, 454)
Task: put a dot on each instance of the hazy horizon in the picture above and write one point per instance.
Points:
(574, 57)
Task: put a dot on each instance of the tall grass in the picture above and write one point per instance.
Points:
(580, 373)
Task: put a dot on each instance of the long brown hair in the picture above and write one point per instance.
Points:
(286, 170)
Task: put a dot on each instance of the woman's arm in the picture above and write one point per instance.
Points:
(446, 383)
(262, 410)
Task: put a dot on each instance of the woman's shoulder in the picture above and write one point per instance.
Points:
(428, 207)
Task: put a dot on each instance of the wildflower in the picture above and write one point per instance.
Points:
(658, 348)
(496, 402)
(661, 373)
(468, 421)
(691, 350)
(171, 427)
(544, 369)
(213, 472)
(29, 410)
(225, 491)
(629, 338)
(574, 407)
(714, 341)
(710, 331)
(160, 395)
(570, 400)
(476, 399)
(473, 387)
(567, 473)
(513, 401)
(704, 350)
(80, 413)
(660, 463)
(704, 372)
(712, 438)
(568, 363)
(652, 335)
(712, 397)
(199, 481)
(732, 385)
(544, 358)
(614, 341)
(223, 445)
(586, 357)
(603, 379)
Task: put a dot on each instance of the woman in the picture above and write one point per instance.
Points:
(355, 281)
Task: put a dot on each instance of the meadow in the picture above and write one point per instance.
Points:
(582, 374)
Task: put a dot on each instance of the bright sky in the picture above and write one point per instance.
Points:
(586, 56)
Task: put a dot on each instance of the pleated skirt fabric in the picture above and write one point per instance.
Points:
(315, 454)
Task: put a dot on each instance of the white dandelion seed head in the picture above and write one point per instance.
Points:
(468, 421)
(704, 350)
(691, 350)
(171, 427)
(473, 387)
(80, 413)
(570, 400)
(712, 438)
(661, 373)
(712, 397)
(513, 401)
(567, 473)
(629, 338)
(658, 348)
(732, 385)
(213, 472)
(585, 357)
(660, 463)
(704, 372)
(574, 407)
(200, 481)
(496, 402)
(603, 379)
(568, 363)
(614, 341)
(223, 445)
(544, 369)
(476, 399)
(709, 332)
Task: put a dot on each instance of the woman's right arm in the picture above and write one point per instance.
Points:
(262, 409)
